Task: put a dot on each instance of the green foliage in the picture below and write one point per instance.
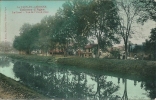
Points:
(76, 21)
(17, 44)
(27, 38)
(148, 8)
(115, 53)
(150, 44)
(153, 35)
(105, 23)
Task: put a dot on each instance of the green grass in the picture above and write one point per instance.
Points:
(124, 67)
(18, 89)
(116, 66)
(31, 58)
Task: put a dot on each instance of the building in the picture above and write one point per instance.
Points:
(89, 50)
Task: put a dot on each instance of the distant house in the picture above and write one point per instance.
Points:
(89, 50)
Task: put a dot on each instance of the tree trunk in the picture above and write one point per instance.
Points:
(98, 50)
(52, 53)
(65, 51)
(98, 47)
(125, 50)
(155, 51)
(125, 96)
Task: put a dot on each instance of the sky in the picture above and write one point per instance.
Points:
(12, 20)
(141, 33)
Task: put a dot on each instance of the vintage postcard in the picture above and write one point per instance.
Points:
(78, 49)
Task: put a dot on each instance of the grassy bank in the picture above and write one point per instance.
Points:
(17, 90)
(125, 67)
(33, 58)
(115, 66)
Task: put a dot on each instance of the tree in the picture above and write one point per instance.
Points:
(17, 43)
(70, 24)
(45, 42)
(105, 23)
(148, 11)
(153, 41)
(28, 36)
(150, 45)
(128, 12)
(115, 53)
(60, 34)
(76, 24)
(25, 28)
(82, 21)
(34, 33)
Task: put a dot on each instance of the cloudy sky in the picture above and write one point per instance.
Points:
(12, 19)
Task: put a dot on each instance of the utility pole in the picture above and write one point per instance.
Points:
(5, 27)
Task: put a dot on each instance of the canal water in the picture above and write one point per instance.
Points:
(71, 83)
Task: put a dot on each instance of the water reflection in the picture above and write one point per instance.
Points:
(104, 89)
(4, 61)
(71, 83)
(58, 82)
(125, 96)
(150, 87)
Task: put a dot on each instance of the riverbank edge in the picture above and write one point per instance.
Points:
(17, 90)
(34, 58)
(139, 68)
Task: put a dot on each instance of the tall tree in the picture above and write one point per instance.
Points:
(27, 38)
(76, 24)
(45, 42)
(105, 23)
(17, 43)
(60, 34)
(128, 13)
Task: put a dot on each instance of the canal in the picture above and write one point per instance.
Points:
(71, 83)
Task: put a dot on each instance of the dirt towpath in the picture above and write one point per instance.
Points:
(10, 89)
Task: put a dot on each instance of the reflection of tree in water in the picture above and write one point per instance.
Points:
(63, 83)
(150, 87)
(24, 72)
(4, 62)
(124, 81)
(125, 96)
(79, 85)
(105, 89)
(32, 75)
